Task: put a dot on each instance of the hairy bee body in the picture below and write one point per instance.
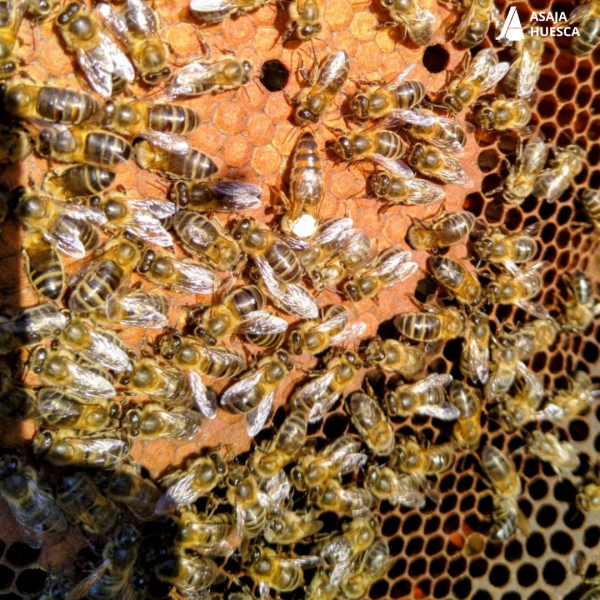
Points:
(501, 471)
(455, 277)
(138, 494)
(154, 422)
(11, 17)
(44, 266)
(587, 17)
(503, 114)
(581, 308)
(446, 229)
(434, 162)
(402, 190)
(305, 19)
(525, 69)
(417, 21)
(191, 165)
(217, 196)
(394, 356)
(367, 144)
(371, 423)
(554, 181)
(410, 457)
(78, 180)
(467, 429)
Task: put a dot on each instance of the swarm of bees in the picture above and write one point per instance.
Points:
(250, 525)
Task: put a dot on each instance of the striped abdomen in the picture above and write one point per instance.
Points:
(94, 288)
(307, 180)
(172, 118)
(284, 262)
(422, 327)
(390, 145)
(44, 266)
(408, 94)
(65, 106)
(105, 149)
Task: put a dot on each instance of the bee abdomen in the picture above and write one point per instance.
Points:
(284, 263)
(173, 118)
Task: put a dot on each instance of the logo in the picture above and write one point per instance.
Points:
(512, 30)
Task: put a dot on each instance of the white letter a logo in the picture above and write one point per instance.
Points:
(511, 30)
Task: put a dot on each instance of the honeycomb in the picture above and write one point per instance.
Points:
(442, 550)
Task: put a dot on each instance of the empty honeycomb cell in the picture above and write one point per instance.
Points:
(435, 58)
(21, 555)
(538, 489)
(379, 589)
(438, 567)
(390, 526)
(447, 483)
(442, 588)
(566, 114)
(566, 89)
(462, 588)
(565, 63)
(432, 524)
(593, 155)
(411, 524)
(499, 576)
(478, 567)
(6, 577)
(527, 575)
(546, 516)
(31, 581)
(474, 203)
(448, 504)
(554, 573)
(561, 542)
(417, 568)
(565, 491)
(457, 567)
(539, 595)
(513, 219)
(591, 536)
(579, 430)
(581, 122)
(494, 211)
(564, 258)
(467, 503)
(590, 352)
(451, 524)
(414, 546)
(401, 589)
(493, 550)
(573, 518)
(398, 569)
(547, 107)
(488, 160)
(335, 425)
(563, 238)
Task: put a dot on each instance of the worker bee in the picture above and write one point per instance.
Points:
(135, 308)
(59, 409)
(152, 422)
(508, 250)
(503, 114)
(184, 487)
(426, 397)
(318, 395)
(581, 308)
(191, 164)
(479, 76)
(30, 326)
(217, 196)
(137, 493)
(399, 94)
(140, 217)
(290, 527)
(210, 76)
(373, 566)
(443, 230)
(526, 67)
(371, 423)
(457, 279)
(77, 181)
(591, 203)
(206, 239)
(79, 497)
(553, 182)
(40, 9)
(43, 265)
(435, 163)
(314, 337)
(104, 276)
(184, 275)
(59, 367)
(411, 457)
(324, 585)
(137, 28)
(467, 401)
(98, 56)
(562, 456)
(32, 507)
(523, 405)
(268, 460)
(240, 311)
(188, 573)
(586, 15)
(64, 448)
(279, 268)
(392, 266)
(507, 517)
(501, 471)
(535, 336)
(213, 13)
(99, 346)
(55, 219)
(589, 496)
(325, 82)
(504, 363)
(253, 395)
(305, 19)
(519, 289)
(403, 190)
(395, 488)
(395, 357)
(475, 354)
(204, 533)
(475, 23)
(437, 322)
(12, 17)
(417, 21)
(307, 189)
(580, 394)
(15, 145)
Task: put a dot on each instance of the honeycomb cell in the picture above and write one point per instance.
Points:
(7, 576)
(462, 588)
(554, 572)
(411, 524)
(31, 581)
(478, 568)
(579, 430)
(527, 575)
(435, 58)
(499, 576)
(591, 536)
(442, 588)
(538, 489)
(417, 567)
(21, 555)
(547, 107)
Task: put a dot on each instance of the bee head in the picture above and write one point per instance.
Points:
(247, 68)
(484, 247)
(307, 32)
(65, 16)
(158, 77)
(305, 115)
(343, 148)
(360, 106)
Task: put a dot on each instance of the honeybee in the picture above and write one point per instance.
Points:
(518, 288)
(135, 308)
(137, 493)
(426, 397)
(253, 394)
(137, 28)
(32, 507)
(216, 196)
(58, 409)
(325, 82)
(188, 573)
(562, 456)
(580, 394)
(535, 336)
(184, 275)
(411, 457)
(501, 471)
(586, 15)
(305, 19)
(191, 164)
(79, 497)
(184, 487)
(152, 421)
(591, 204)
(77, 181)
(526, 67)
(324, 585)
(508, 250)
(443, 230)
(505, 363)
(203, 533)
(435, 163)
(240, 311)
(283, 448)
(475, 353)
(30, 326)
(589, 497)
(98, 56)
(314, 337)
(467, 401)
(503, 114)
(399, 94)
(140, 217)
(373, 566)
(371, 423)
(476, 21)
(457, 279)
(507, 516)
(318, 395)
(104, 276)
(15, 145)
(290, 527)
(347, 500)
(395, 488)
(40, 9)
(206, 239)
(523, 406)
(391, 266)
(43, 265)
(581, 308)
(210, 76)
(10, 23)
(394, 356)
(59, 367)
(417, 21)
(531, 158)
(552, 182)
(402, 190)
(213, 13)
(249, 501)
(279, 268)
(55, 219)
(64, 448)
(479, 75)
(436, 322)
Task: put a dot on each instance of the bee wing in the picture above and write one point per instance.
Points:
(142, 312)
(65, 236)
(528, 75)
(408, 495)
(495, 75)
(114, 22)
(121, 65)
(237, 196)
(241, 387)
(83, 587)
(56, 134)
(479, 360)
(313, 389)
(333, 229)
(159, 209)
(580, 13)
(463, 26)
(399, 78)
(83, 213)
(205, 401)
(108, 354)
(92, 383)
(455, 174)
(264, 590)
(172, 142)
(351, 332)
(334, 64)
(333, 323)
(258, 416)
(147, 227)
(187, 77)
(423, 192)
(142, 17)
(413, 116)
(536, 310)
(444, 411)
(178, 495)
(430, 382)
(397, 167)
(260, 322)
(304, 562)
(278, 488)
(198, 279)
(211, 6)
(534, 382)
(98, 70)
